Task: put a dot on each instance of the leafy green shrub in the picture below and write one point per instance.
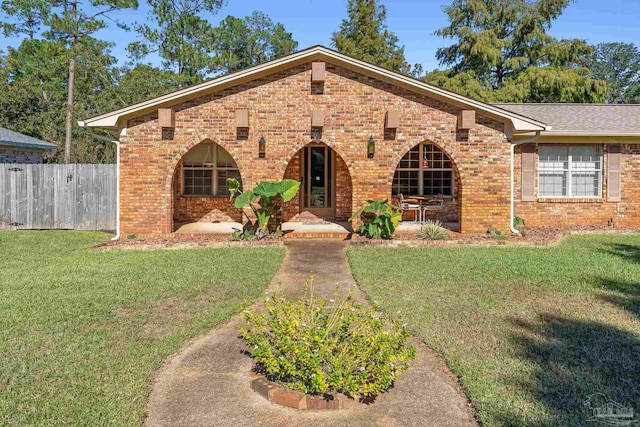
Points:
(245, 235)
(249, 235)
(319, 347)
(265, 199)
(519, 224)
(433, 230)
(494, 233)
(379, 219)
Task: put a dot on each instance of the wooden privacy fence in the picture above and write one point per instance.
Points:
(63, 197)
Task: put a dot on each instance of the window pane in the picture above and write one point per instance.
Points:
(585, 158)
(199, 155)
(553, 184)
(198, 182)
(223, 176)
(411, 160)
(437, 183)
(405, 183)
(224, 159)
(585, 184)
(553, 158)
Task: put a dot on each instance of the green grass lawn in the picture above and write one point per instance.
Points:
(83, 332)
(531, 332)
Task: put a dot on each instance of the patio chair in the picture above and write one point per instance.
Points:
(435, 204)
(407, 205)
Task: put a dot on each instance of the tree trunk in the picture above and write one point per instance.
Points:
(69, 130)
(71, 85)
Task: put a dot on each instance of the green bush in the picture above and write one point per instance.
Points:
(494, 233)
(379, 219)
(519, 224)
(265, 199)
(319, 347)
(433, 230)
(245, 235)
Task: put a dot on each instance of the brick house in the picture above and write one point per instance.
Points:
(352, 131)
(20, 148)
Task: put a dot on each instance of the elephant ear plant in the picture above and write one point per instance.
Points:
(265, 199)
(379, 219)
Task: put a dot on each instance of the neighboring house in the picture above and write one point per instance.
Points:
(353, 131)
(19, 148)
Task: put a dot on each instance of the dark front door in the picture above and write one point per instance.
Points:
(318, 181)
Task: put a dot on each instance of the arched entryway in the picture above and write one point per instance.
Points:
(200, 193)
(429, 174)
(325, 191)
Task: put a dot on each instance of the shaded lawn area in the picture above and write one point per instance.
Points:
(83, 332)
(530, 332)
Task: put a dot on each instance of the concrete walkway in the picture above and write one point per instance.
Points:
(208, 383)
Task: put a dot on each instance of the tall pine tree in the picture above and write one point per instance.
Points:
(364, 35)
(244, 42)
(619, 65)
(70, 22)
(503, 52)
(180, 33)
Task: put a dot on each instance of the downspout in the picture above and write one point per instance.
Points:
(513, 191)
(117, 142)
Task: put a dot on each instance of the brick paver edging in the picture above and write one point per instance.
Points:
(280, 395)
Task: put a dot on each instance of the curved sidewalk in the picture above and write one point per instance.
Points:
(207, 384)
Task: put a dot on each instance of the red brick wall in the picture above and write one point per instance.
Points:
(343, 191)
(291, 209)
(575, 212)
(280, 108)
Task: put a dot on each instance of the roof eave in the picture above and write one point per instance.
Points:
(604, 133)
(112, 120)
(33, 146)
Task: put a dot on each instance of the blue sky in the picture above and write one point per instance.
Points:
(413, 21)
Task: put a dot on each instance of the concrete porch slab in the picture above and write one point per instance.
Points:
(209, 228)
(317, 227)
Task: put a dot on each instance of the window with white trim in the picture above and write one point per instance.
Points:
(206, 169)
(570, 171)
(424, 171)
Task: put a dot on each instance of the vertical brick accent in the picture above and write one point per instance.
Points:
(343, 198)
(293, 171)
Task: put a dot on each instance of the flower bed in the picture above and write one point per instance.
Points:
(326, 348)
(188, 241)
(533, 237)
(281, 395)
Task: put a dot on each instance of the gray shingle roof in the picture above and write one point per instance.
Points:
(15, 139)
(596, 119)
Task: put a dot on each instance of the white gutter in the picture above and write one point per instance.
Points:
(104, 138)
(513, 191)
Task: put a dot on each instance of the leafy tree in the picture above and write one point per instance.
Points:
(34, 80)
(138, 84)
(619, 65)
(364, 34)
(503, 53)
(244, 42)
(71, 22)
(28, 16)
(180, 35)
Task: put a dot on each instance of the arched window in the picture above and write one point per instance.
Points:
(206, 168)
(424, 171)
